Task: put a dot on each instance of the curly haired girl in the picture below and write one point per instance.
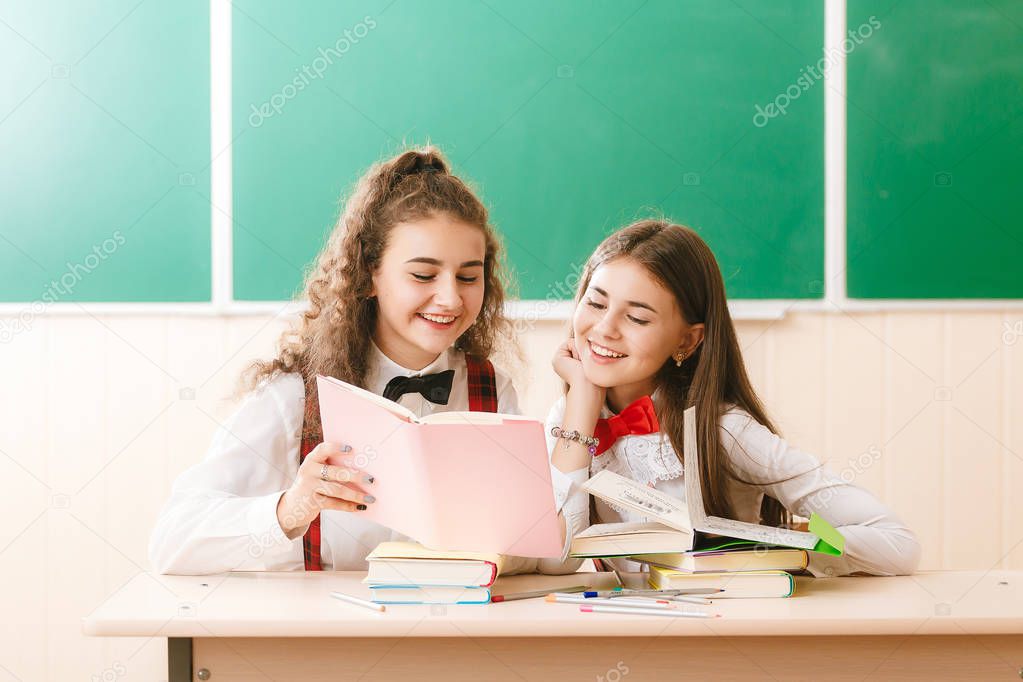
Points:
(405, 300)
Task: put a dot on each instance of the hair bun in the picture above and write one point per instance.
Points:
(415, 161)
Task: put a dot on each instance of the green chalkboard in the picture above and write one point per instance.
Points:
(571, 118)
(935, 140)
(104, 144)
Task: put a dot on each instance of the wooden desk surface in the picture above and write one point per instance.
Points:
(297, 605)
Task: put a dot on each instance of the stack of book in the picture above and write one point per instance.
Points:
(408, 573)
(741, 568)
(687, 548)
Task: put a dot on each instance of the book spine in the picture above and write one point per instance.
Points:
(493, 574)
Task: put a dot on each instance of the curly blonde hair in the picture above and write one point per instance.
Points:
(333, 337)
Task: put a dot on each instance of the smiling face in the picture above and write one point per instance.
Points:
(627, 325)
(429, 288)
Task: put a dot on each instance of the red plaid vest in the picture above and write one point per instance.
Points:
(482, 398)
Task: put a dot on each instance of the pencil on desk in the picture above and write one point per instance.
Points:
(690, 600)
(645, 604)
(358, 602)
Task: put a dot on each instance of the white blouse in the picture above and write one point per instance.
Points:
(876, 541)
(222, 513)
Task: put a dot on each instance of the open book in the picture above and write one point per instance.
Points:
(468, 481)
(408, 415)
(689, 516)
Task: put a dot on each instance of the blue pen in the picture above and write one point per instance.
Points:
(619, 592)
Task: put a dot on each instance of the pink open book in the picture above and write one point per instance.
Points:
(469, 481)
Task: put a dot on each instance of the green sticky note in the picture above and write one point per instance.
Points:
(831, 541)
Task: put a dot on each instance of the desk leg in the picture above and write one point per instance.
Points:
(179, 659)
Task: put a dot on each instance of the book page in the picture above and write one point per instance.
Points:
(458, 417)
(642, 499)
(716, 524)
(609, 529)
(372, 397)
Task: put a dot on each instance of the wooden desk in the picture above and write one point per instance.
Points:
(283, 626)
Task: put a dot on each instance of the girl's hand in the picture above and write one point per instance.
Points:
(582, 408)
(569, 366)
(310, 494)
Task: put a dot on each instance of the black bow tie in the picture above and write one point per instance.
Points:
(434, 387)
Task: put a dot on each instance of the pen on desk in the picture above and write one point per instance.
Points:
(534, 594)
(631, 610)
(358, 602)
(652, 593)
(575, 599)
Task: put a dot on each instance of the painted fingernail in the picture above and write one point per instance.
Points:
(369, 499)
(360, 507)
(368, 478)
(346, 448)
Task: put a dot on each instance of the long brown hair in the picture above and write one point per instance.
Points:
(714, 376)
(333, 336)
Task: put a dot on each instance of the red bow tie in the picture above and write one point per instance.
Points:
(637, 419)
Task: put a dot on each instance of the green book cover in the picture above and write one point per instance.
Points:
(831, 541)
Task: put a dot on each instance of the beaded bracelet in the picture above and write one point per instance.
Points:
(591, 442)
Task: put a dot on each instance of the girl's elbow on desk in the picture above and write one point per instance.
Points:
(900, 557)
(909, 557)
(903, 553)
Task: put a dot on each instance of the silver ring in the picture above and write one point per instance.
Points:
(323, 473)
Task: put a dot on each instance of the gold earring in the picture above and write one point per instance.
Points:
(679, 357)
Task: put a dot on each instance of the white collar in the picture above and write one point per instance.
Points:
(383, 368)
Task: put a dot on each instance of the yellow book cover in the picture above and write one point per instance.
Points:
(737, 585)
(409, 563)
